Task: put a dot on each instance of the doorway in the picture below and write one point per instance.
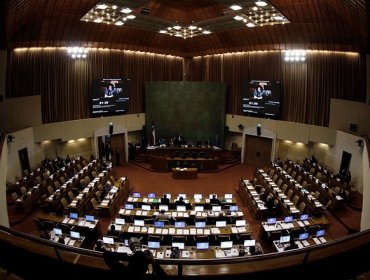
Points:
(24, 161)
(345, 162)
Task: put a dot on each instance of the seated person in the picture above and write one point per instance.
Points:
(61, 240)
(214, 200)
(180, 201)
(292, 245)
(112, 231)
(162, 216)
(165, 200)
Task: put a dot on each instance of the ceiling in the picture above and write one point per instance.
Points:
(341, 25)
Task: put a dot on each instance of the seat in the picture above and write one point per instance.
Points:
(279, 182)
(94, 203)
(284, 188)
(23, 189)
(302, 207)
(289, 170)
(62, 179)
(312, 170)
(285, 166)
(242, 237)
(293, 174)
(71, 195)
(289, 193)
(50, 189)
(304, 184)
(201, 238)
(180, 239)
(316, 194)
(274, 178)
(56, 184)
(295, 200)
(313, 229)
(222, 237)
(271, 172)
(155, 238)
(64, 203)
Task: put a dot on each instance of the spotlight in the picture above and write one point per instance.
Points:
(241, 127)
(110, 128)
(259, 129)
(10, 138)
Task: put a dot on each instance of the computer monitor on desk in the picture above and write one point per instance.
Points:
(216, 208)
(163, 207)
(139, 223)
(240, 223)
(320, 232)
(212, 194)
(57, 231)
(234, 208)
(303, 236)
(288, 219)
(75, 234)
(303, 217)
(200, 224)
(179, 245)
(119, 221)
(154, 245)
(198, 196)
(151, 195)
(202, 245)
(228, 196)
(271, 221)
(73, 216)
(129, 206)
(226, 244)
(89, 218)
(248, 243)
(145, 207)
(220, 223)
(136, 194)
(180, 208)
(168, 195)
(180, 224)
(284, 239)
(183, 195)
(159, 224)
(199, 208)
(108, 240)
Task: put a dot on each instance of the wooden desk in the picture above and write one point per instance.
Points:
(184, 173)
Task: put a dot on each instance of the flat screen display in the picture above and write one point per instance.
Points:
(261, 99)
(163, 207)
(180, 224)
(320, 232)
(108, 240)
(288, 219)
(202, 245)
(284, 238)
(179, 245)
(304, 217)
(248, 243)
(303, 236)
(271, 221)
(57, 231)
(129, 206)
(226, 244)
(109, 97)
(73, 215)
(151, 195)
(90, 218)
(199, 208)
(120, 221)
(159, 224)
(154, 245)
(200, 224)
(240, 223)
(75, 234)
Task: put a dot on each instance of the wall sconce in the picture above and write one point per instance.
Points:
(241, 127)
(360, 142)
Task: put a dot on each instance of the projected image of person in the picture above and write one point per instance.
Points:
(110, 90)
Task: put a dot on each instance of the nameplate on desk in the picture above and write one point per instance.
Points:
(171, 231)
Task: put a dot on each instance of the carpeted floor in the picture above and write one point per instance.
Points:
(221, 182)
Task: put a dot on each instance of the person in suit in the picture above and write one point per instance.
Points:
(214, 200)
(165, 200)
(162, 216)
(292, 245)
(253, 251)
(180, 201)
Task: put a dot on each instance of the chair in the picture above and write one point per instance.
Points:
(289, 193)
(312, 229)
(201, 238)
(62, 180)
(284, 188)
(94, 203)
(271, 172)
(274, 177)
(279, 182)
(155, 238)
(316, 194)
(293, 174)
(23, 189)
(180, 239)
(222, 237)
(64, 203)
(71, 195)
(242, 237)
(299, 178)
(295, 200)
(304, 184)
(289, 170)
(50, 189)
(56, 184)
(302, 207)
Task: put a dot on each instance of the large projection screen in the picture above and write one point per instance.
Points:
(194, 110)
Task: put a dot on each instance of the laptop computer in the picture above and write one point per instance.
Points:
(151, 195)
(129, 206)
(271, 221)
(234, 208)
(200, 224)
(73, 216)
(248, 243)
(75, 234)
(89, 218)
(284, 239)
(240, 223)
(216, 208)
(180, 245)
(154, 245)
(119, 221)
(288, 219)
(198, 196)
(57, 231)
(163, 207)
(199, 208)
(180, 224)
(220, 223)
(136, 194)
(145, 207)
(202, 245)
(159, 224)
(228, 196)
(139, 223)
(226, 244)
(108, 240)
(180, 208)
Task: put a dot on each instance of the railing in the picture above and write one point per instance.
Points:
(33, 258)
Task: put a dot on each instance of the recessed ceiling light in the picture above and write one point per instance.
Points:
(102, 6)
(235, 7)
(238, 17)
(249, 24)
(119, 23)
(126, 10)
(261, 3)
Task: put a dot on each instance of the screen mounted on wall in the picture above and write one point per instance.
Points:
(262, 99)
(110, 97)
